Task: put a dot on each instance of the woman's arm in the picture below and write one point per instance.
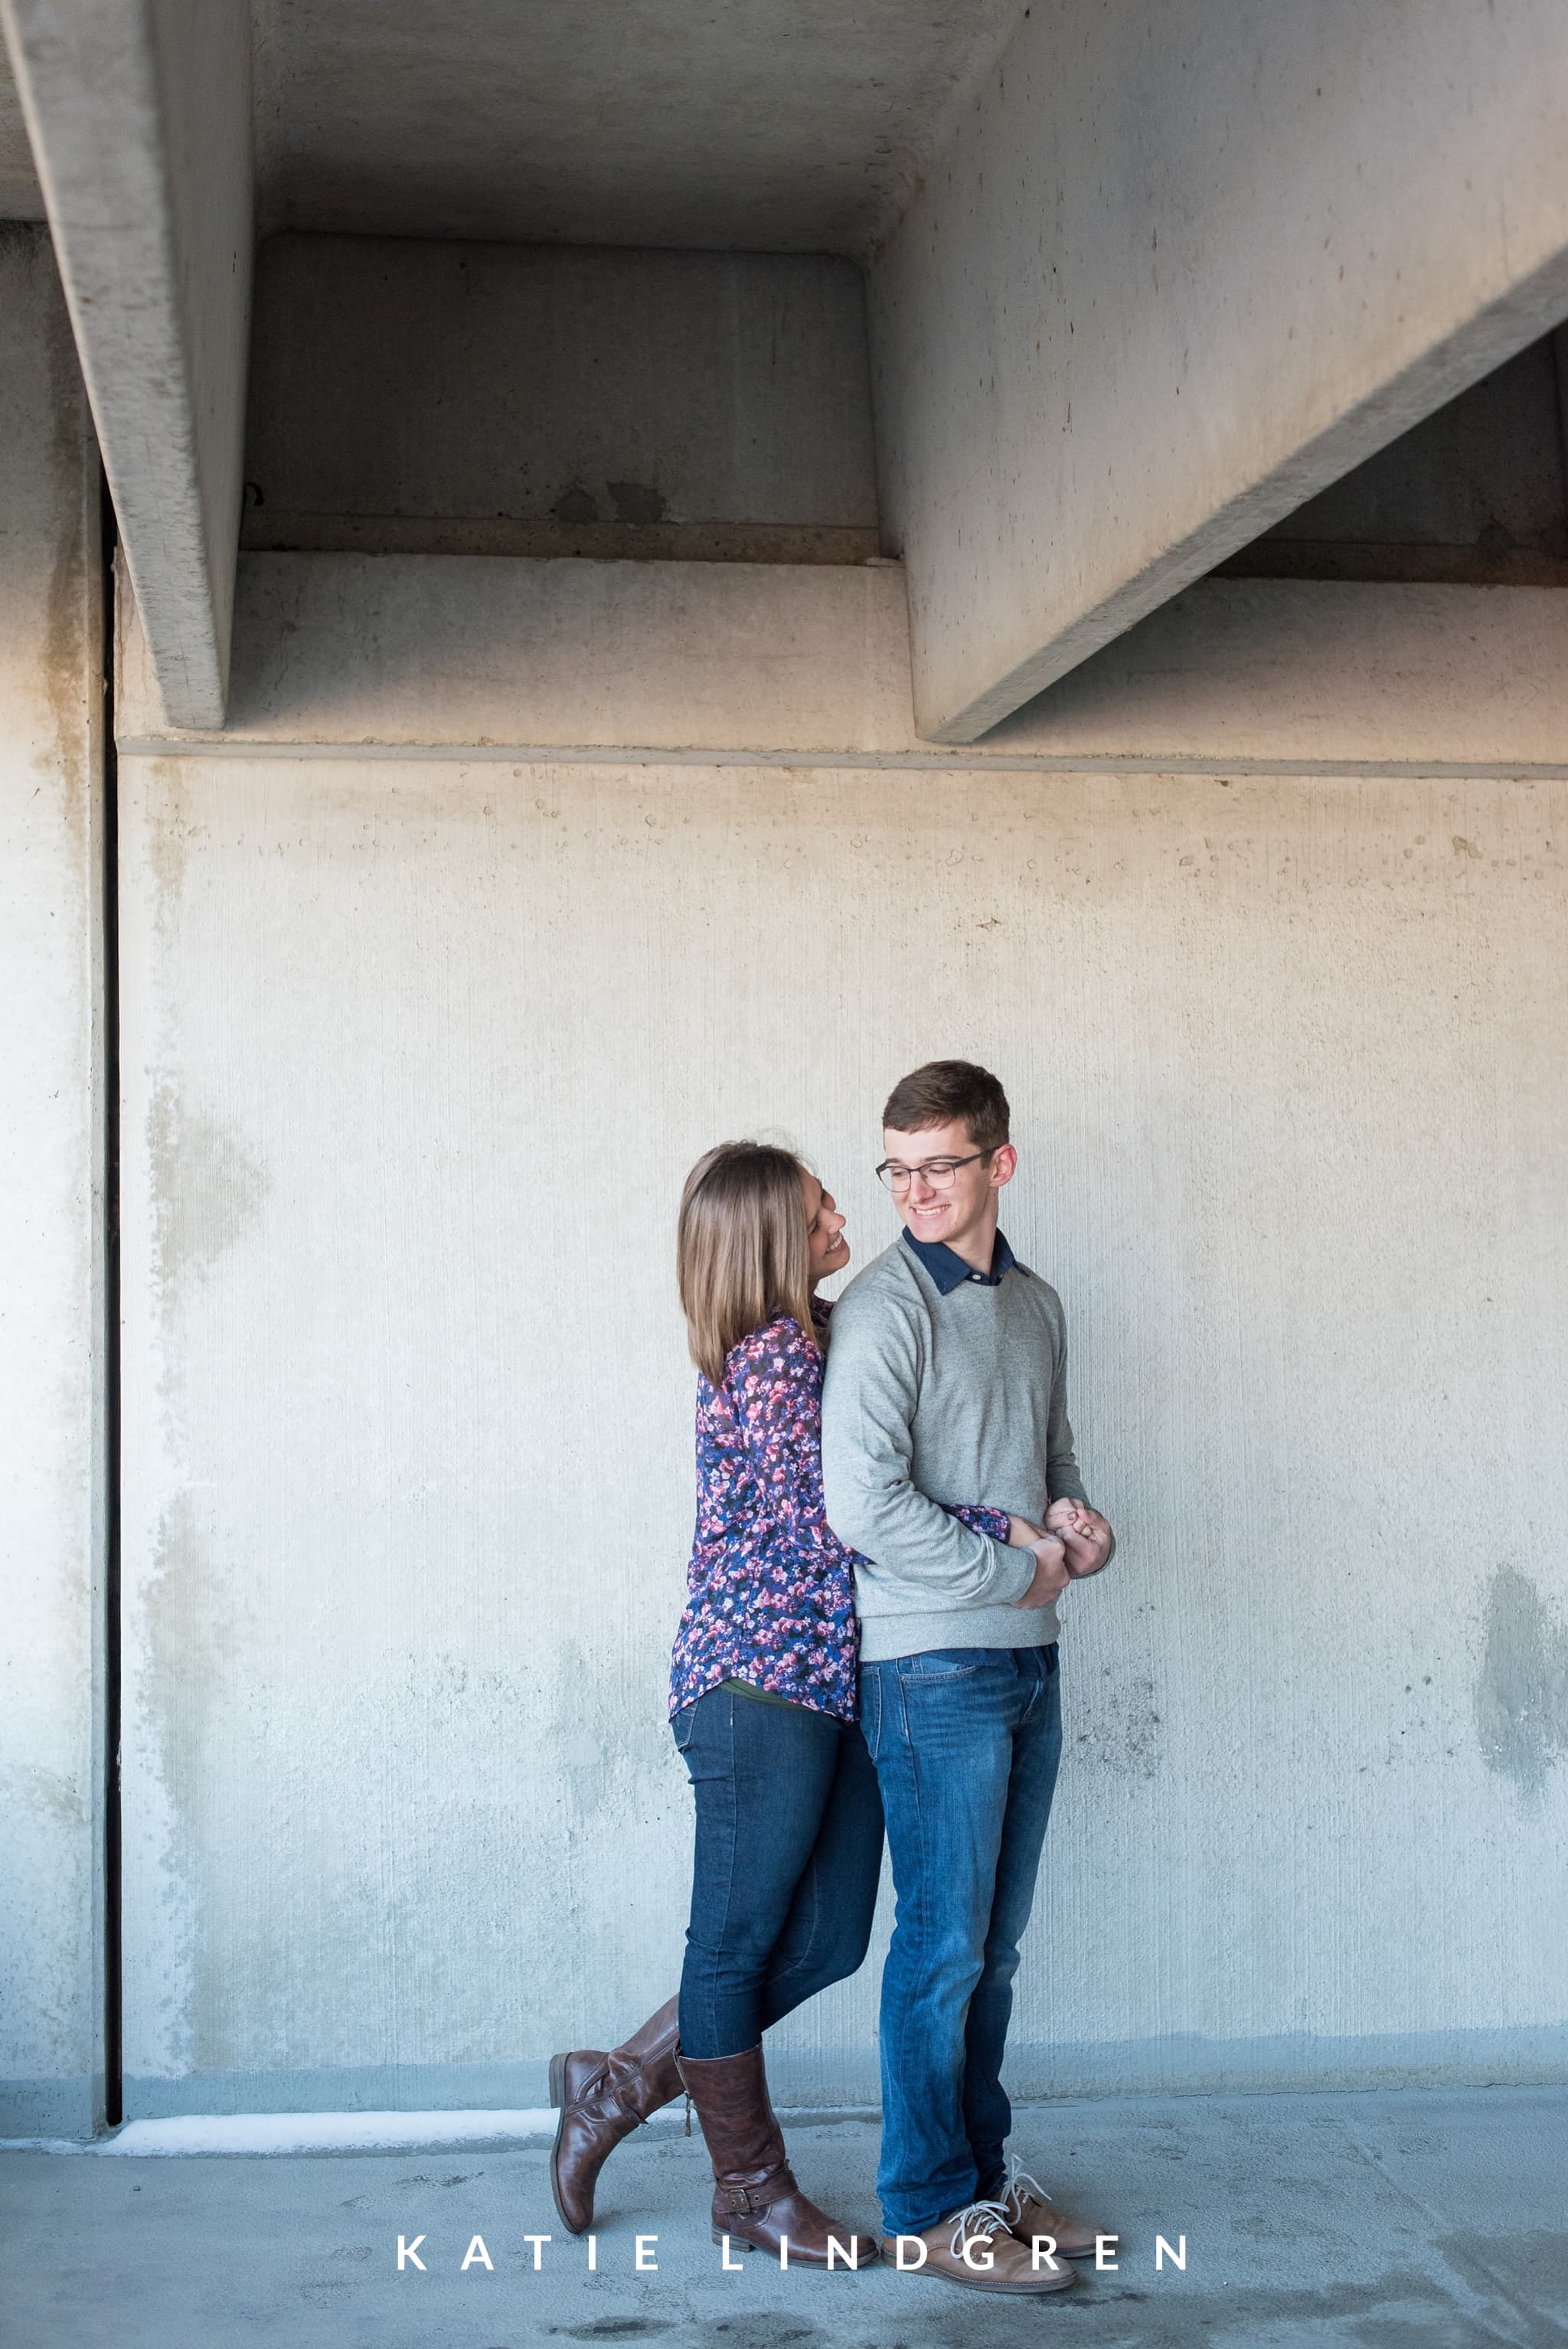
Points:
(778, 1396)
(776, 1386)
(994, 1522)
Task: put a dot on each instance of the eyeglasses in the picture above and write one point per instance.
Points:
(938, 1172)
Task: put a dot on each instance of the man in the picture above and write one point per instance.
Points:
(946, 1382)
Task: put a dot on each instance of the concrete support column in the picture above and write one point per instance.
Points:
(52, 1479)
(140, 116)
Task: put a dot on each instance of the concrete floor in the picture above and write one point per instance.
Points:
(1428, 2220)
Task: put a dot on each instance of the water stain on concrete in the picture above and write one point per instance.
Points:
(610, 2328)
(206, 1186)
(33, 1791)
(162, 839)
(188, 1643)
(1532, 2265)
(1115, 1725)
(71, 605)
(1521, 1697)
(637, 502)
(575, 503)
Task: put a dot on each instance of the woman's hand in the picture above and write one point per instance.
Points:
(1022, 1534)
(1051, 1575)
(1084, 1534)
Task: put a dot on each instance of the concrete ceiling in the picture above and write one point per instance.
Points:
(795, 125)
(777, 125)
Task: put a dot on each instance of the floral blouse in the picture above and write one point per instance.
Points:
(772, 1591)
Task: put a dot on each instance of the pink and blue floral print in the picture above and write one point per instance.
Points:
(771, 1591)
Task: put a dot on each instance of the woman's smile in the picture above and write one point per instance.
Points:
(830, 1250)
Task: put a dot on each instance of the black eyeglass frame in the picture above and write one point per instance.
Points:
(953, 1164)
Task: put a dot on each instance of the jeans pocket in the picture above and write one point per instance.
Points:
(946, 1664)
(682, 1725)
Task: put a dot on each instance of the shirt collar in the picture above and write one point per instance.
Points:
(949, 1271)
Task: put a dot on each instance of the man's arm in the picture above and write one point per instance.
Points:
(1089, 1540)
(911, 1548)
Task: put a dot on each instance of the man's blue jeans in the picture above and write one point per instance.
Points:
(966, 1742)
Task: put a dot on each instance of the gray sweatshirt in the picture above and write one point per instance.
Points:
(954, 1397)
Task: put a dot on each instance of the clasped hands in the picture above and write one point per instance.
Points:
(1074, 1541)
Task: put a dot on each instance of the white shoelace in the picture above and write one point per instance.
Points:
(975, 2222)
(1021, 2188)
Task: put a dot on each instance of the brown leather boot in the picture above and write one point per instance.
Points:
(754, 2197)
(603, 2098)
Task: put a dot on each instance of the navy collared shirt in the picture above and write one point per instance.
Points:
(949, 1271)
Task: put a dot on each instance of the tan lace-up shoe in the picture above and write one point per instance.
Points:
(976, 2247)
(1033, 2215)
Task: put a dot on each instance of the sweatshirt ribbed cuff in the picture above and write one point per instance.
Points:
(1015, 1571)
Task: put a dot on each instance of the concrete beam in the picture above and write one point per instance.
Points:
(489, 651)
(482, 658)
(140, 118)
(1183, 266)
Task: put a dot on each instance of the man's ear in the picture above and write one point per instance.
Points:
(1003, 1166)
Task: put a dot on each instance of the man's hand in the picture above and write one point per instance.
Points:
(1051, 1575)
(1083, 1533)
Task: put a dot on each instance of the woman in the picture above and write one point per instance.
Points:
(762, 1706)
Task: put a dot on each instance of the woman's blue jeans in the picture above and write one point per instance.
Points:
(784, 1876)
(966, 1742)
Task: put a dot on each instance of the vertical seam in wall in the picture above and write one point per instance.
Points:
(113, 2040)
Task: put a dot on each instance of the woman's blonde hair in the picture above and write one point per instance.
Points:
(742, 1253)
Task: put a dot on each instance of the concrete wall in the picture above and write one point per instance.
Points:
(503, 399)
(51, 1259)
(1476, 494)
(1488, 468)
(417, 1048)
(20, 196)
(1182, 266)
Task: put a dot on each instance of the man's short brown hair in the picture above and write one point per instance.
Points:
(944, 1093)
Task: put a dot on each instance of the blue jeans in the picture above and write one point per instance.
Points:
(784, 1874)
(966, 1742)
